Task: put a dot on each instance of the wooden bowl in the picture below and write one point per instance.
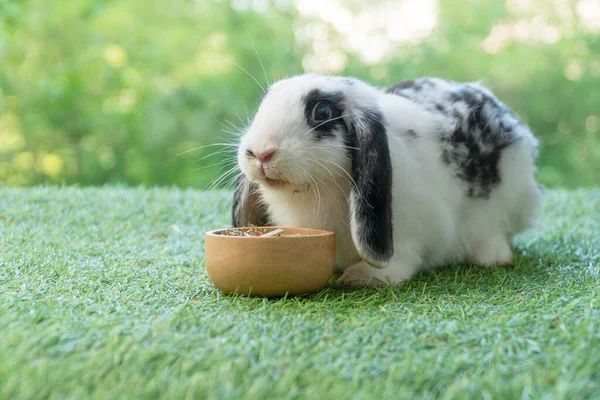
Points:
(270, 266)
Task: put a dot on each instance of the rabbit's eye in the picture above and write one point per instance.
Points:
(321, 112)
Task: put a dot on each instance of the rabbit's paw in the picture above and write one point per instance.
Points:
(363, 275)
(494, 252)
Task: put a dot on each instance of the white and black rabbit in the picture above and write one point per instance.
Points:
(425, 173)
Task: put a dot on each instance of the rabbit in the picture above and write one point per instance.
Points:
(422, 174)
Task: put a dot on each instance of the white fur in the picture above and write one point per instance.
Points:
(434, 223)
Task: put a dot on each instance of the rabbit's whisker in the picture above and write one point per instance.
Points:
(246, 71)
(258, 55)
(207, 145)
(317, 193)
(321, 124)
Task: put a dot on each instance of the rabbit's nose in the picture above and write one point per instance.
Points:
(265, 156)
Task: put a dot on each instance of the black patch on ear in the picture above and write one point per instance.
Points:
(371, 199)
(335, 101)
(247, 209)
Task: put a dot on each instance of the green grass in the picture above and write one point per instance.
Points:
(103, 294)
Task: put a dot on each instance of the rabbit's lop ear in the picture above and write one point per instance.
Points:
(247, 209)
(371, 194)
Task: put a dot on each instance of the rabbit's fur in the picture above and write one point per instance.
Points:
(421, 174)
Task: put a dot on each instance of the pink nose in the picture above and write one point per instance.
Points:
(265, 156)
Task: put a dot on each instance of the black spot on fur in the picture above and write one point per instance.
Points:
(335, 101)
(447, 156)
(407, 89)
(474, 148)
(422, 91)
(410, 88)
(411, 133)
(401, 86)
(372, 196)
(479, 128)
(476, 166)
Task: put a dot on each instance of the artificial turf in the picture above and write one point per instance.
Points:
(103, 294)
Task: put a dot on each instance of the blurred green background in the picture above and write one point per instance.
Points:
(110, 92)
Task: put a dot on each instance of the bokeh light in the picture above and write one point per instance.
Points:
(97, 92)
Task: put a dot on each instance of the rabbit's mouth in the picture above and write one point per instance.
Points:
(275, 182)
(273, 177)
